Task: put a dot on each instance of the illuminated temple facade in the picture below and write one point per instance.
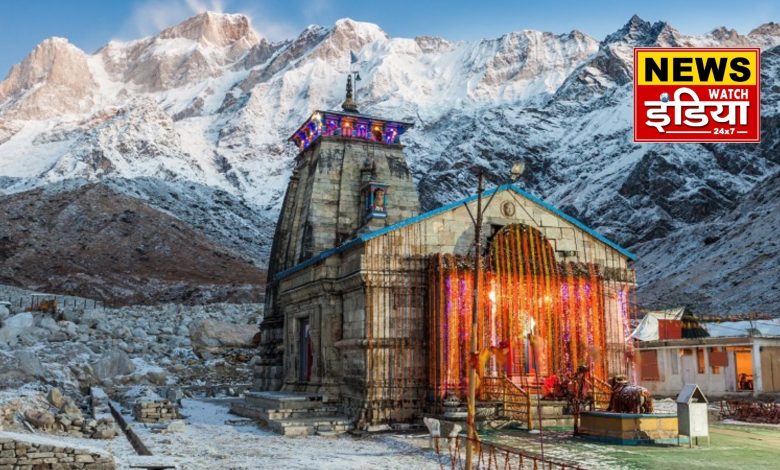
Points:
(369, 300)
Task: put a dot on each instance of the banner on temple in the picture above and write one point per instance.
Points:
(696, 95)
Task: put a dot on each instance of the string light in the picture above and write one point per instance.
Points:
(529, 297)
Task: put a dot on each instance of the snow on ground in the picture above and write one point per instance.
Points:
(209, 443)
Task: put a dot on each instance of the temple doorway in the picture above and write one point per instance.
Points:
(304, 350)
(538, 316)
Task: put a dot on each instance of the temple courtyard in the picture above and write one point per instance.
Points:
(208, 442)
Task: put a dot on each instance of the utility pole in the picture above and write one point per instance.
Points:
(471, 408)
(471, 422)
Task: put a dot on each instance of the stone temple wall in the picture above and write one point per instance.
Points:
(20, 451)
(321, 210)
(367, 306)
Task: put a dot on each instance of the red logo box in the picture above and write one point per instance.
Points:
(697, 94)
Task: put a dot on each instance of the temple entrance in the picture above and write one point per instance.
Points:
(304, 350)
(538, 317)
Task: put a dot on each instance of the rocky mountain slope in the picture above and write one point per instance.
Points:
(205, 106)
(92, 241)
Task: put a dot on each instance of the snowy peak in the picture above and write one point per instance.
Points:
(54, 77)
(358, 33)
(766, 35)
(219, 29)
(533, 61)
(638, 32)
(345, 36)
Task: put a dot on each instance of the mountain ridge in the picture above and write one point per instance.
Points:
(209, 103)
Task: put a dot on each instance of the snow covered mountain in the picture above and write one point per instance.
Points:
(206, 106)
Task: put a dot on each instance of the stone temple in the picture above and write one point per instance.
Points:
(369, 300)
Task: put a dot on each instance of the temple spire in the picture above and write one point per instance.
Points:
(349, 104)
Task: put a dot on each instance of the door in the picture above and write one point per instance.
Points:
(304, 350)
(688, 367)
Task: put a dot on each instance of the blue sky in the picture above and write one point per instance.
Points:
(91, 23)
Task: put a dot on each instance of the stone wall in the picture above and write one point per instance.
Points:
(155, 411)
(20, 451)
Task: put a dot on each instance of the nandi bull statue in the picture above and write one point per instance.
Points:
(627, 398)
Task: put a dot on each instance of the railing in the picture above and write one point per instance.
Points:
(515, 401)
(45, 301)
(490, 456)
(601, 391)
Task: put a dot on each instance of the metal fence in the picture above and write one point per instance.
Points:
(36, 301)
(489, 456)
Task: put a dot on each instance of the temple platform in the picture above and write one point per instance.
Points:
(292, 413)
(630, 428)
(491, 414)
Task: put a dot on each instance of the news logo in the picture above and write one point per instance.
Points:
(697, 95)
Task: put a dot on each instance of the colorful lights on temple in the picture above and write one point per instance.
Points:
(348, 125)
(544, 316)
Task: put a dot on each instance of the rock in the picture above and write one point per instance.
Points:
(122, 332)
(14, 326)
(41, 419)
(157, 377)
(5, 311)
(140, 334)
(55, 398)
(104, 430)
(30, 363)
(90, 318)
(72, 315)
(71, 409)
(213, 336)
(113, 364)
(48, 323)
(58, 337)
(69, 328)
(177, 425)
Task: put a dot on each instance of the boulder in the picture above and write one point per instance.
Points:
(14, 326)
(55, 398)
(90, 318)
(48, 323)
(29, 363)
(104, 430)
(5, 311)
(209, 336)
(19, 368)
(40, 419)
(114, 363)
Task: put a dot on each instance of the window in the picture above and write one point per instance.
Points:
(674, 361)
(700, 360)
(718, 359)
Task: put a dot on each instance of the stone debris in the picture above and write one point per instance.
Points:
(26, 452)
(77, 348)
(155, 411)
(67, 418)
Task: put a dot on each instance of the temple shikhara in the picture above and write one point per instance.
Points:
(369, 300)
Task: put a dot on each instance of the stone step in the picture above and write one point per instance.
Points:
(312, 412)
(327, 425)
(283, 400)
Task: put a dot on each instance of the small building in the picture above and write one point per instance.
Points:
(369, 300)
(724, 358)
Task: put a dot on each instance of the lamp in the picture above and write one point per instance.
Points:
(517, 170)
